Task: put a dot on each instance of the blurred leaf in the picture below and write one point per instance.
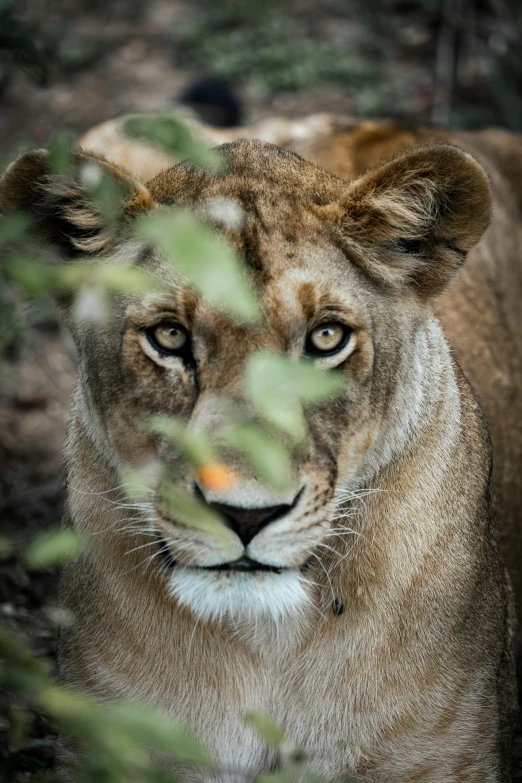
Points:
(76, 711)
(204, 259)
(91, 305)
(138, 482)
(278, 388)
(111, 276)
(118, 277)
(285, 775)
(172, 135)
(145, 725)
(20, 721)
(14, 228)
(22, 669)
(119, 736)
(268, 458)
(188, 511)
(269, 731)
(32, 275)
(105, 192)
(53, 547)
(61, 157)
(195, 445)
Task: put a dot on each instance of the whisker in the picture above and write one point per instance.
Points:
(142, 546)
(326, 572)
(325, 546)
(344, 531)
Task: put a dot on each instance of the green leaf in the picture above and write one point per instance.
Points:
(138, 482)
(112, 277)
(269, 731)
(172, 135)
(268, 458)
(113, 747)
(61, 157)
(14, 228)
(145, 725)
(53, 547)
(19, 657)
(118, 277)
(33, 276)
(189, 512)
(279, 388)
(204, 259)
(195, 445)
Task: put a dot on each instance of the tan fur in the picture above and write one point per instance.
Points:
(414, 681)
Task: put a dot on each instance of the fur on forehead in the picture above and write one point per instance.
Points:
(251, 165)
(408, 224)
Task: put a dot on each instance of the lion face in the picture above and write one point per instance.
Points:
(345, 275)
(269, 536)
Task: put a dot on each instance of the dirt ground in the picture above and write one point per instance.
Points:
(136, 74)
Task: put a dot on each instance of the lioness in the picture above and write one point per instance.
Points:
(366, 609)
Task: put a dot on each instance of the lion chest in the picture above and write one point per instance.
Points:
(338, 704)
(314, 695)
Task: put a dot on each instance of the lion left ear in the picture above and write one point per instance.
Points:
(412, 221)
(61, 207)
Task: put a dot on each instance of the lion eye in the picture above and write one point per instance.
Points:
(327, 339)
(168, 337)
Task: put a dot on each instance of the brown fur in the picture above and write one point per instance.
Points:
(414, 680)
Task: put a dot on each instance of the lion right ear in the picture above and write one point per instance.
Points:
(60, 205)
(416, 217)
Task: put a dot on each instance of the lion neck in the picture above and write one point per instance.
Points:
(425, 493)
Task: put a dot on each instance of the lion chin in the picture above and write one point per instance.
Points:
(216, 596)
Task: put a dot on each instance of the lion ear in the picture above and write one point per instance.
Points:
(62, 206)
(412, 221)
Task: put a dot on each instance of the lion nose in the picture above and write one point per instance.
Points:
(247, 522)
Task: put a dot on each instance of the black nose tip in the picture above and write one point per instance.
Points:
(247, 522)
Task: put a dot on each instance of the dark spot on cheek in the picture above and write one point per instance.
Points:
(337, 606)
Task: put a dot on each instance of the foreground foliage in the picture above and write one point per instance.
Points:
(122, 742)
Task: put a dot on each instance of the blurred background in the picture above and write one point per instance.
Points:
(73, 63)
(66, 65)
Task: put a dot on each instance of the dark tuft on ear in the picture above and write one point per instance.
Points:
(412, 220)
(62, 207)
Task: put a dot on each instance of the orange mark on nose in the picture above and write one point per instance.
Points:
(216, 477)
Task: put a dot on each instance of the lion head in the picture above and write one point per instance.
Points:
(345, 273)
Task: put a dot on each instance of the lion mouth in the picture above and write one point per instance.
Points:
(243, 564)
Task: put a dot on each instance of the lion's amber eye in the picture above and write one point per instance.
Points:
(328, 338)
(168, 337)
